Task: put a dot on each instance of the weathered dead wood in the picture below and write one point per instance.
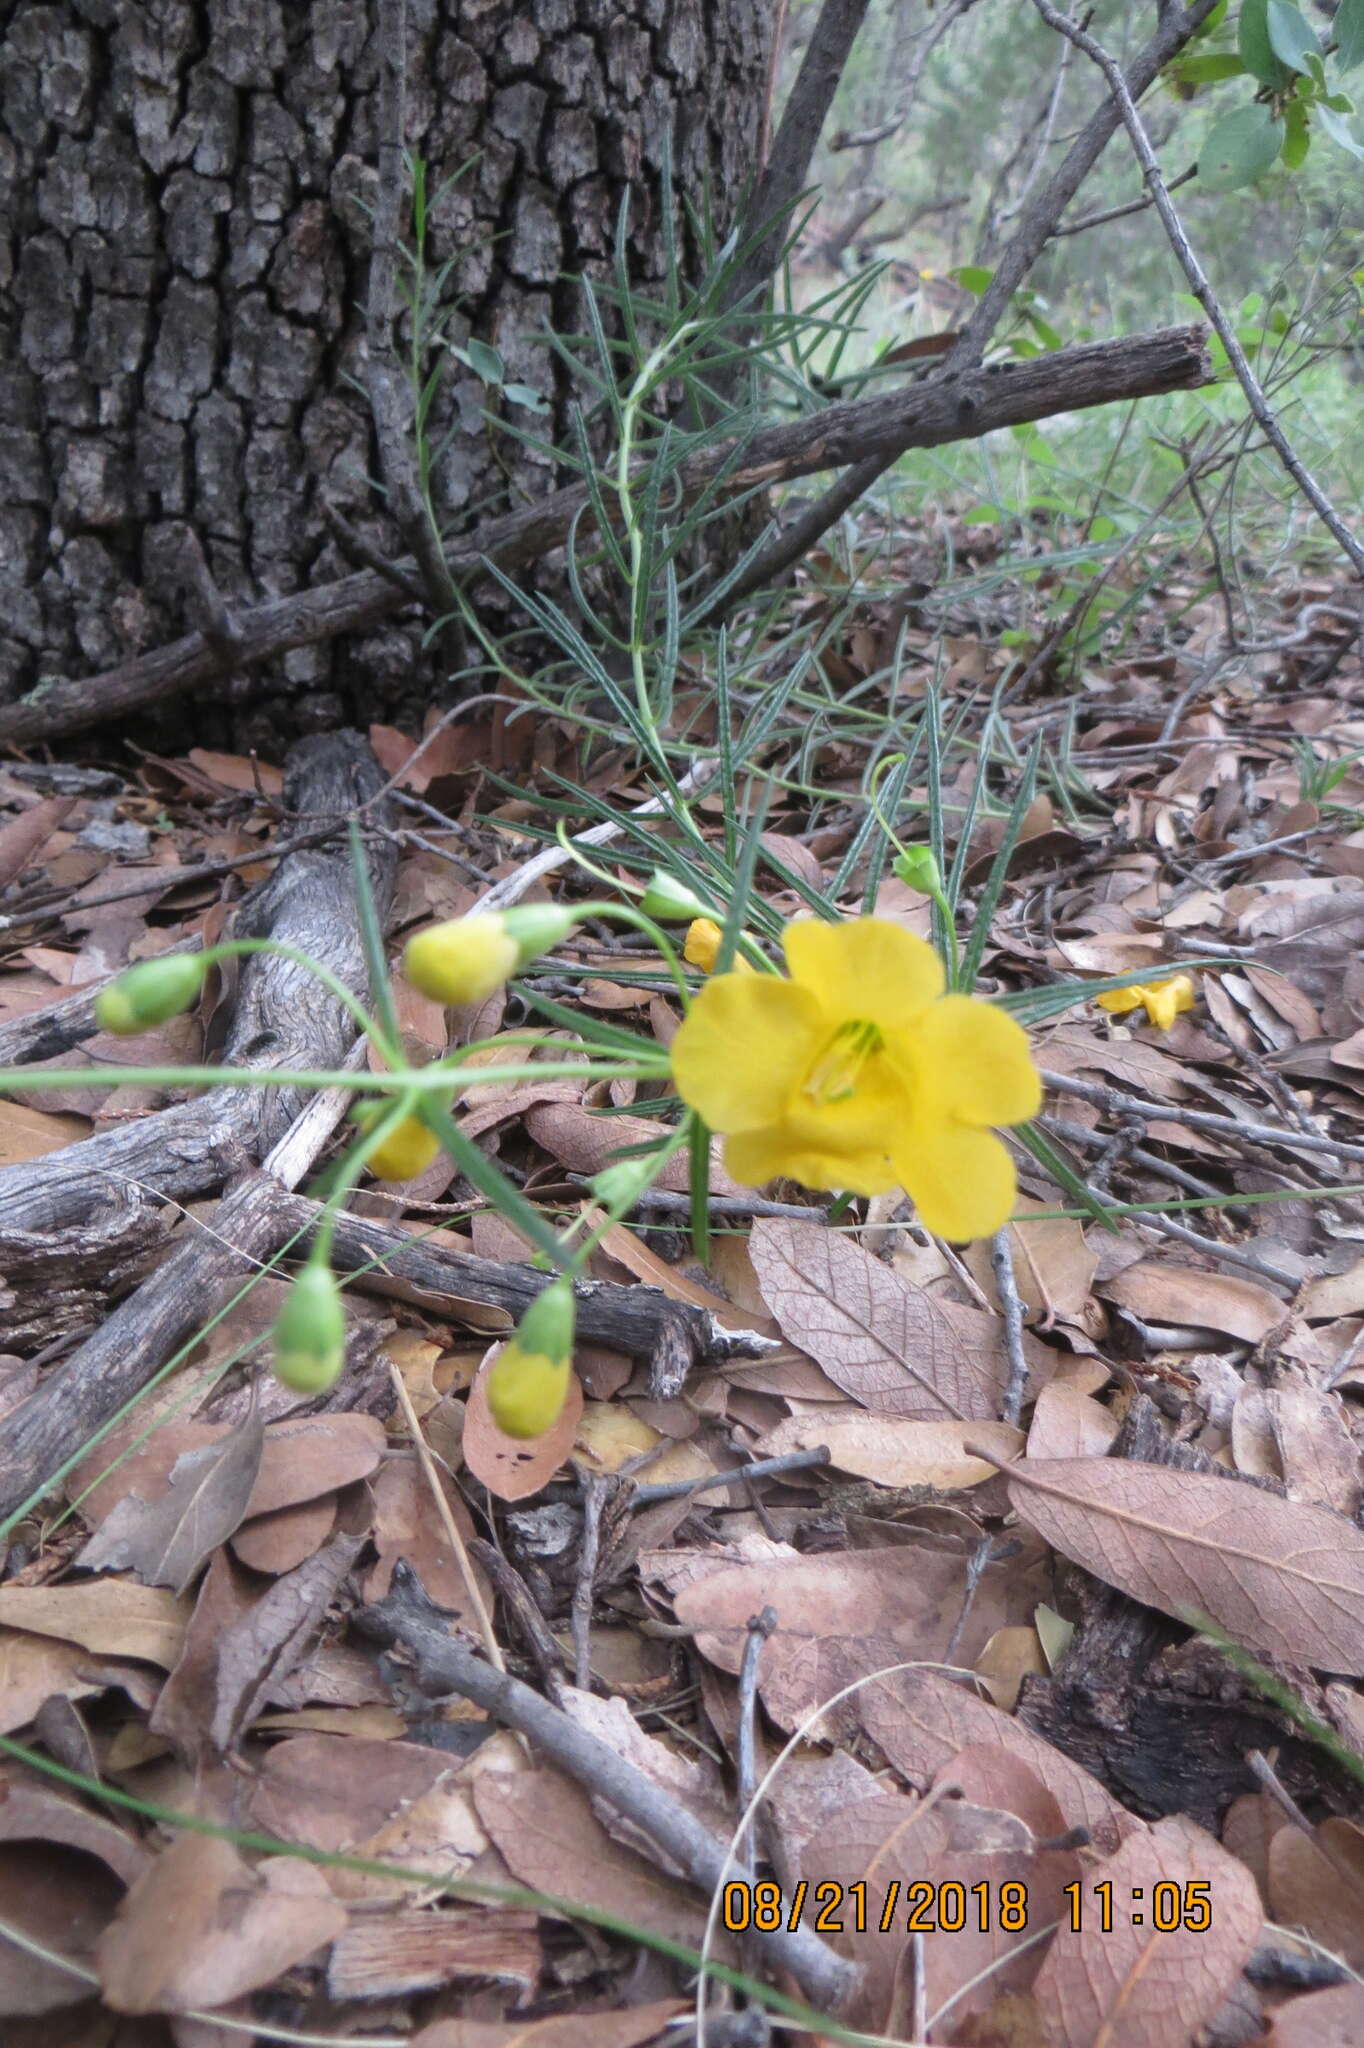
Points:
(672, 1335)
(252, 1224)
(91, 1199)
(940, 410)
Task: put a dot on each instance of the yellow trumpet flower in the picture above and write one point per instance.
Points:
(859, 1073)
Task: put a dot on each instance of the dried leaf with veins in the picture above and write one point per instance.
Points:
(922, 1721)
(1131, 1985)
(166, 1542)
(1279, 1576)
(884, 1341)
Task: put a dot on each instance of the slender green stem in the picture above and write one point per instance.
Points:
(368, 1025)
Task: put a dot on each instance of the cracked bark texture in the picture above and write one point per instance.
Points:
(182, 284)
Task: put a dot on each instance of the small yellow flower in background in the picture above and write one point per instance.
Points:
(702, 948)
(859, 1073)
(528, 1384)
(1162, 1001)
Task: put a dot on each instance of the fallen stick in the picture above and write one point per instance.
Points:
(442, 1665)
(78, 1398)
(942, 409)
(641, 1321)
(76, 1211)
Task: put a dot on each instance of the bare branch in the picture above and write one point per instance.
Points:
(1202, 290)
(944, 408)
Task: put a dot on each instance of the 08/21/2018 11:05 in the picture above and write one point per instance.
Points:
(921, 1907)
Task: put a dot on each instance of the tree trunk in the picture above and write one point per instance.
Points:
(185, 323)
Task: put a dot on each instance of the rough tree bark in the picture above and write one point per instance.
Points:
(182, 291)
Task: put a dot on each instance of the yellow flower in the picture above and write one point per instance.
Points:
(703, 944)
(702, 947)
(860, 1074)
(405, 1152)
(1162, 1001)
(527, 1384)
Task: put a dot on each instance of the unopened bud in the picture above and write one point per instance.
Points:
(310, 1333)
(407, 1150)
(919, 870)
(671, 901)
(463, 960)
(149, 994)
(528, 1384)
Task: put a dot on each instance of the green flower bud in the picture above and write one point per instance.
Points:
(620, 1186)
(310, 1333)
(671, 901)
(534, 927)
(528, 1384)
(917, 867)
(150, 993)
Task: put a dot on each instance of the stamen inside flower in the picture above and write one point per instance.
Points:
(834, 1075)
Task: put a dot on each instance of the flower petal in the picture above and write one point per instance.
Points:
(1118, 1001)
(780, 1153)
(961, 1181)
(745, 1044)
(865, 968)
(972, 1062)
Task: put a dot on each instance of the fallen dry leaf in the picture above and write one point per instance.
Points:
(1163, 1293)
(892, 1449)
(113, 1617)
(888, 1344)
(551, 1839)
(408, 1524)
(1068, 1424)
(1277, 1575)
(32, 1133)
(922, 1721)
(1316, 1882)
(627, 2029)
(840, 1616)
(167, 1542)
(201, 1928)
(1321, 2019)
(1132, 1985)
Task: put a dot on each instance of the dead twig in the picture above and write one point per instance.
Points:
(1125, 102)
(444, 1666)
(1011, 1308)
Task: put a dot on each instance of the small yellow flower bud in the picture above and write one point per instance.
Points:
(149, 994)
(310, 1333)
(528, 1384)
(407, 1150)
(463, 960)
